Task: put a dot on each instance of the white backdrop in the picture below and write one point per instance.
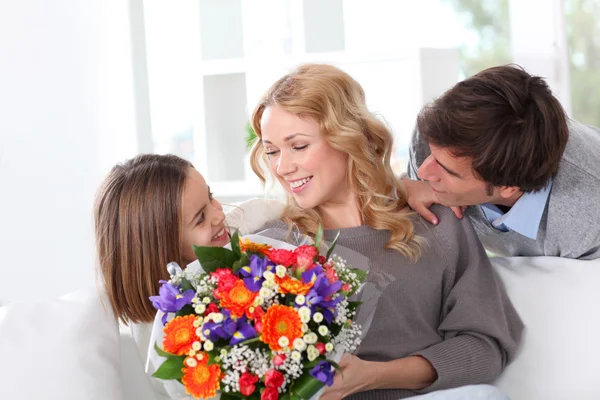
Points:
(66, 98)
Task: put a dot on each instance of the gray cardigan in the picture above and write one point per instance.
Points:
(448, 307)
(570, 225)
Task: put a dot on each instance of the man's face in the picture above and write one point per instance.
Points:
(453, 181)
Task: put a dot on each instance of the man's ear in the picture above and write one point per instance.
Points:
(508, 191)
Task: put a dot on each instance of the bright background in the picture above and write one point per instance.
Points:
(85, 84)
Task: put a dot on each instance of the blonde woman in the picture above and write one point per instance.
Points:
(443, 319)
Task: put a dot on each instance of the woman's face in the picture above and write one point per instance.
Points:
(202, 216)
(308, 168)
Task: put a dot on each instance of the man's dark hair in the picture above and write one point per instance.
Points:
(507, 121)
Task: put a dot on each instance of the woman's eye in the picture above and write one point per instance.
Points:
(272, 152)
(201, 219)
(300, 147)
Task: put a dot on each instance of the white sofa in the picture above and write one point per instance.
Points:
(71, 348)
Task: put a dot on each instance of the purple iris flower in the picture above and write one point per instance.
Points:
(170, 299)
(319, 295)
(232, 329)
(323, 372)
(253, 273)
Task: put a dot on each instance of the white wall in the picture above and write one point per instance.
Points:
(67, 114)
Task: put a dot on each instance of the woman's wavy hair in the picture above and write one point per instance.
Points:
(137, 215)
(337, 102)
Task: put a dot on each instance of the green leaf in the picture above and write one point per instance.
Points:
(186, 285)
(361, 277)
(319, 237)
(335, 365)
(314, 362)
(360, 273)
(333, 245)
(161, 352)
(170, 369)
(290, 397)
(212, 258)
(353, 305)
(248, 341)
(235, 244)
(335, 329)
(241, 263)
(250, 137)
(231, 396)
(211, 357)
(185, 310)
(306, 386)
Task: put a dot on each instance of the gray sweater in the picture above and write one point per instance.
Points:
(448, 307)
(570, 224)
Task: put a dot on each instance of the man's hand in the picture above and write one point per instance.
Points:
(421, 197)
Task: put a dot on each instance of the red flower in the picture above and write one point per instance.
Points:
(283, 257)
(212, 308)
(320, 347)
(305, 256)
(247, 383)
(279, 359)
(273, 379)
(331, 275)
(322, 260)
(256, 315)
(346, 288)
(269, 394)
(226, 281)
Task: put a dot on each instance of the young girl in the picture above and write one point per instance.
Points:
(149, 211)
(443, 319)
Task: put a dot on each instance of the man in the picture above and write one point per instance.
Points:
(499, 147)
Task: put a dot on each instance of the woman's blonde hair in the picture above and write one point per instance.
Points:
(337, 102)
(137, 215)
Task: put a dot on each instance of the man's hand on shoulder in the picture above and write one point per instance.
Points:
(421, 197)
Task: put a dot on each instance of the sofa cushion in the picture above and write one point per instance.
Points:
(65, 348)
(559, 301)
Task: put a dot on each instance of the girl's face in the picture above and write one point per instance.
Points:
(302, 160)
(202, 216)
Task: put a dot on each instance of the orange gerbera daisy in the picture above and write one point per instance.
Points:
(247, 245)
(280, 321)
(180, 334)
(238, 299)
(292, 285)
(202, 381)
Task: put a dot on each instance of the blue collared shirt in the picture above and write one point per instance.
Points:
(524, 216)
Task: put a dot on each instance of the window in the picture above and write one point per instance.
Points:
(583, 39)
(209, 61)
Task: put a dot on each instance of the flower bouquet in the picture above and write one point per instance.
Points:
(256, 321)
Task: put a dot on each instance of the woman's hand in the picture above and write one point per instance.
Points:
(353, 378)
(421, 197)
